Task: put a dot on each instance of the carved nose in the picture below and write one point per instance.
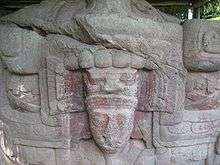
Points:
(110, 87)
(111, 131)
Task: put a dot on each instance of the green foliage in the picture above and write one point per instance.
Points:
(178, 11)
(211, 9)
(216, 18)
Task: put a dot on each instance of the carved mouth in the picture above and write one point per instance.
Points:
(111, 129)
(112, 147)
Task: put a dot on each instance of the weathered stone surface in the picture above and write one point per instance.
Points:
(201, 45)
(28, 49)
(111, 100)
(202, 91)
(107, 82)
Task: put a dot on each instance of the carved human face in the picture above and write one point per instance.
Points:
(111, 102)
(201, 45)
(211, 41)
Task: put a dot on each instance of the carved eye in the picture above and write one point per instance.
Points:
(208, 37)
(128, 79)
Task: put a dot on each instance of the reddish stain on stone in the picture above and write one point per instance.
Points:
(141, 118)
(147, 90)
(74, 91)
(79, 126)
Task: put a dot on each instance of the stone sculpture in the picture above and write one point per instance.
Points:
(108, 82)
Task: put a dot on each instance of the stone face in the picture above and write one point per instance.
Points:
(111, 100)
(201, 45)
(108, 82)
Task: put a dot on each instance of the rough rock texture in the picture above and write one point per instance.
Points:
(201, 45)
(108, 82)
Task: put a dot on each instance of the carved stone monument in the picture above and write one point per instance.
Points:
(108, 82)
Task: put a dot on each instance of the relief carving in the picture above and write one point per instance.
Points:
(108, 82)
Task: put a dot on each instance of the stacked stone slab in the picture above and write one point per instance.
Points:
(108, 82)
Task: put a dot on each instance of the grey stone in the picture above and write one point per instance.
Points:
(201, 45)
(108, 82)
(103, 59)
(137, 62)
(120, 59)
(86, 59)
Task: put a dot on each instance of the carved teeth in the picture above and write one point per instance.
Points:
(103, 59)
(120, 59)
(86, 59)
